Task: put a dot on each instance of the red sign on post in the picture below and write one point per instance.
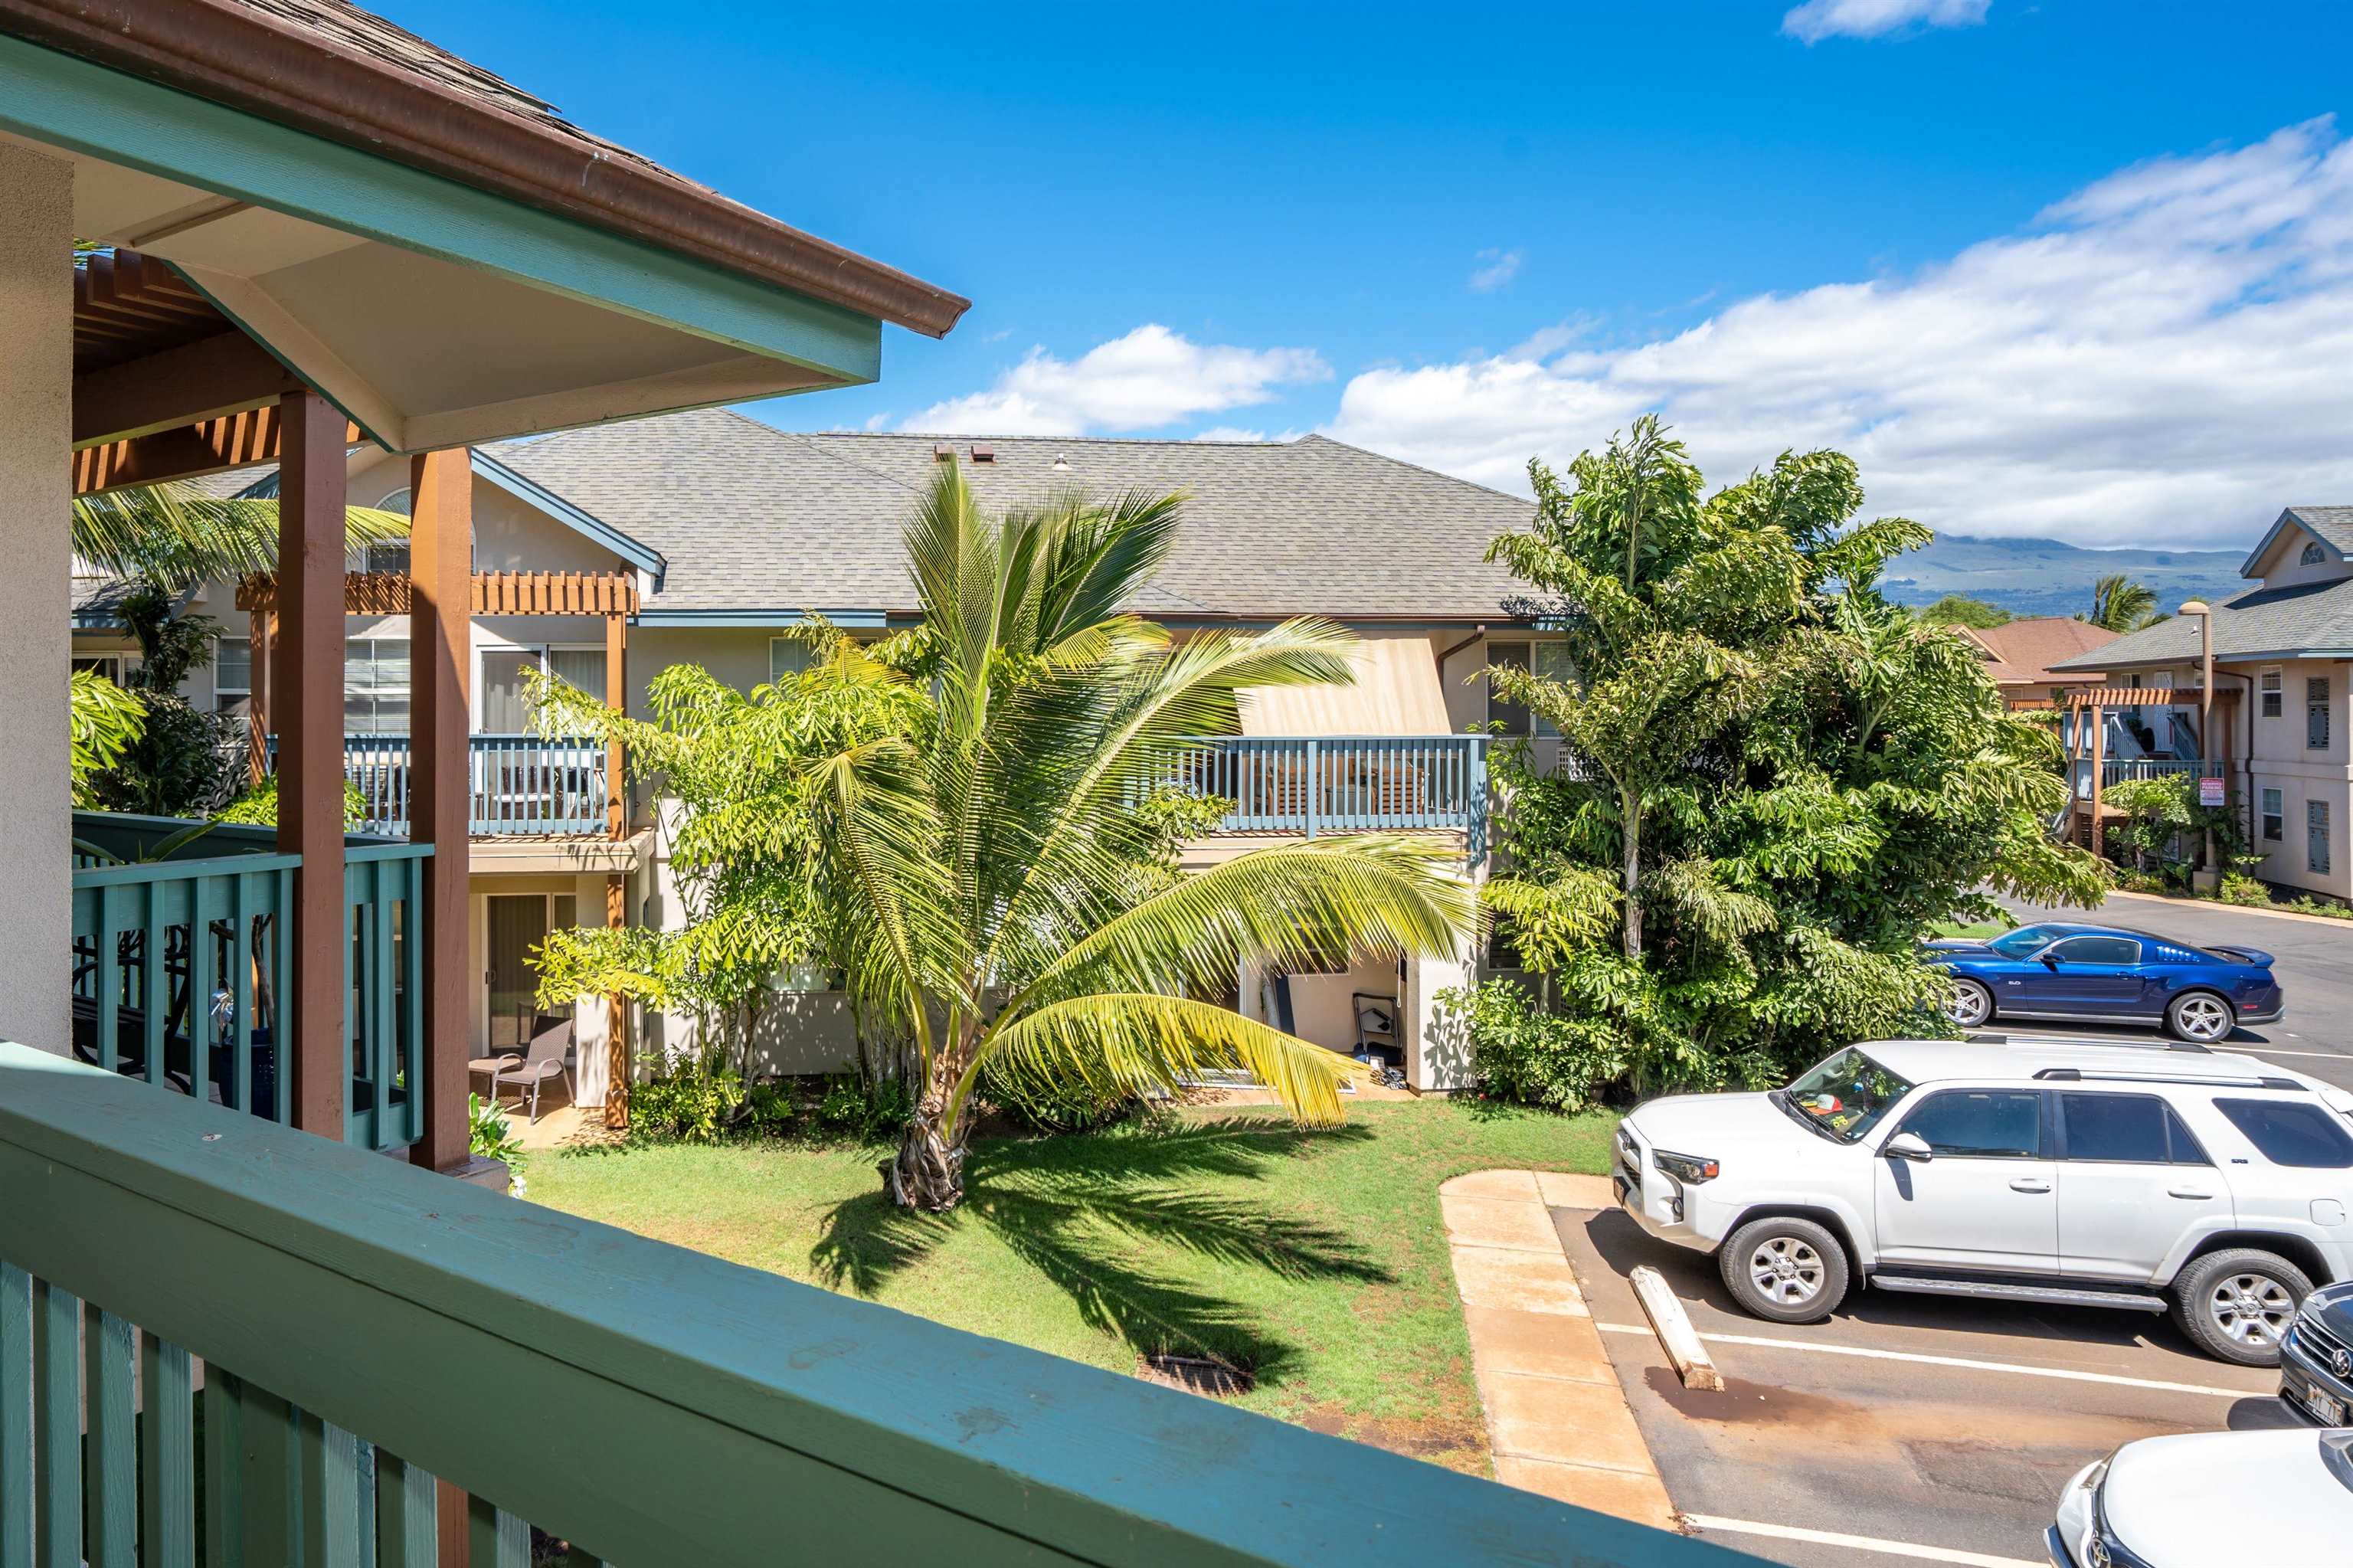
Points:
(2210, 792)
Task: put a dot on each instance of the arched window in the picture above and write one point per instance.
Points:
(390, 559)
(2312, 555)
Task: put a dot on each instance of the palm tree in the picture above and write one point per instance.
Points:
(176, 537)
(999, 905)
(2120, 604)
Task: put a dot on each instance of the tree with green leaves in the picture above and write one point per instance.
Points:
(992, 861)
(107, 722)
(1960, 609)
(2120, 604)
(1774, 780)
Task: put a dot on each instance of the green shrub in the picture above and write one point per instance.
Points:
(1522, 1053)
(1045, 1104)
(258, 807)
(864, 1112)
(2239, 889)
(698, 1100)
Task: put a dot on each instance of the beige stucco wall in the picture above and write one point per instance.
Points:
(35, 498)
(2281, 565)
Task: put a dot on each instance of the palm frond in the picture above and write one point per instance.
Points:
(178, 538)
(1132, 1043)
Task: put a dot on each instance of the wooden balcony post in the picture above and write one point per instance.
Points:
(616, 884)
(440, 660)
(2099, 715)
(257, 703)
(309, 691)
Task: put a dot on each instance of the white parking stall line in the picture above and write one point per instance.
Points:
(1966, 1363)
(2275, 1051)
(1860, 1542)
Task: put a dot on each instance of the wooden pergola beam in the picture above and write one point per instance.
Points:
(2147, 696)
(225, 374)
(212, 446)
(610, 594)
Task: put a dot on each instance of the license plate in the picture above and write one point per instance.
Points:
(2325, 1408)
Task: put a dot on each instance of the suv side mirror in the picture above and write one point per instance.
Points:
(1908, 1146)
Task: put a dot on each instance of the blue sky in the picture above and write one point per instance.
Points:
(2073, 268)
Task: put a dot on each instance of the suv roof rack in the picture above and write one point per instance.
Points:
(2155, 1042)
(2212, 1080)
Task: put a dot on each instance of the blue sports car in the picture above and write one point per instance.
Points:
(2107, 974)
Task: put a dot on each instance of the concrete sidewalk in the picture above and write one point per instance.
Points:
(1556, 1415)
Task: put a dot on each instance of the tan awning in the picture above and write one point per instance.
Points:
(1396, 693)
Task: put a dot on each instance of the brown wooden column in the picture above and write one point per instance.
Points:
(616, 884)
(308, 692)
(257, 704)
(440, 664)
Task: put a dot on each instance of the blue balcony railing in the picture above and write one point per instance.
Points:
(515, 783)
(1325, 784)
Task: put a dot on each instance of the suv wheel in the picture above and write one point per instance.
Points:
(2201, 1016)
(1971, 1004)
(2235, 1305)
(1784, 1269)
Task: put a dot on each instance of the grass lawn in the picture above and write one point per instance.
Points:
(1981, 928)
(1314, 1259)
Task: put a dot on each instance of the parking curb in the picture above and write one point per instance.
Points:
(1556, 1415)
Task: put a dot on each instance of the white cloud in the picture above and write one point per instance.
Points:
(2160, 358)
(1145, 379)
(1237, 433)
(1498, 267)
(1819, 19)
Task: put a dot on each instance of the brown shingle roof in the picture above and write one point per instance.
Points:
(2023, 651)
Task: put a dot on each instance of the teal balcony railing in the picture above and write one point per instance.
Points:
(1324, 784)
(293, 1342)
(180, 963)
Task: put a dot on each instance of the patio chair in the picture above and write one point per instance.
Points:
(547, 1056)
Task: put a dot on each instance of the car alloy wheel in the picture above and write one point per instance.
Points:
(1970, 1004)
(1786, 1271)
(2203, 1018)
(2252, 1309)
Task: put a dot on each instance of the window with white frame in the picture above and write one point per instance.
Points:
(2274, 816)
(232, 677)
(1549, 661)
(2312, 555)
(2316, 823)
(113, 666)
(503, 700)
(2316, 713)
(375, 685)
(787, 656)
(2270, 682)
(388, 556)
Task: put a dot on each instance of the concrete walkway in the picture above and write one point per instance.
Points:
(1556, 1415)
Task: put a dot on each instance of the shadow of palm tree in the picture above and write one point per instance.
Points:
(1088, 1212)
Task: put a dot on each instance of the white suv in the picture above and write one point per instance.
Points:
(2138, 1176)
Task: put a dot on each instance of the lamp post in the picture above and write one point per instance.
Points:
(2209, 876)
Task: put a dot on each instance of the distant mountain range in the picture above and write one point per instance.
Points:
(2046, 577)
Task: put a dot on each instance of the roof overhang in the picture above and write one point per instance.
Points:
(585, 524)
(433, 313)
(2252, 566)
(773, 619)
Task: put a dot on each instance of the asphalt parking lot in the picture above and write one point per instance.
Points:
(1903, 1430)
(2312, 959)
